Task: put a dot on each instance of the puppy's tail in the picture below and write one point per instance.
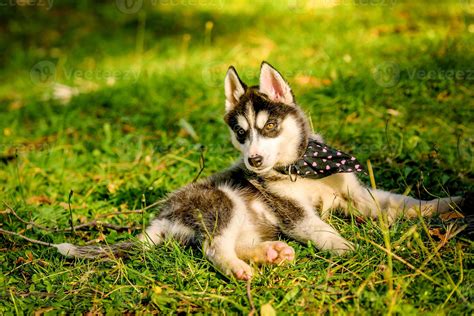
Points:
(154, 235)
(121, 249)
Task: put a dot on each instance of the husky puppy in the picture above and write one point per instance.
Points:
(238, 214)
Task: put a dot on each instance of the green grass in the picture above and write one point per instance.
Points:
(390, 81)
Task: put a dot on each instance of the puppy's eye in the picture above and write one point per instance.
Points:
(241, 131)
(269, 126)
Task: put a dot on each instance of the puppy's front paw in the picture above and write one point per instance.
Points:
(339, 245)
(343, 248)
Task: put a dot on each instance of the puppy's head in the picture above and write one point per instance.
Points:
(266, 125)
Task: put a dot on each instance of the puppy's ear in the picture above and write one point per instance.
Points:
(274, 86)
(234, 89)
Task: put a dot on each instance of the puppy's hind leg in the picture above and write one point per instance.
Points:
(397, 205)
(373, 202)
(221, 248)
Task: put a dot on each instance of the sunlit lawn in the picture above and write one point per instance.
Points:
(114, 103)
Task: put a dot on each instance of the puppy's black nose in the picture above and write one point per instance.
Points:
(256, 161)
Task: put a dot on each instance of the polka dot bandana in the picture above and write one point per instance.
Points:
(320, 161)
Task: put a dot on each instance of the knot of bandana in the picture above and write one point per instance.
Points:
(320, 161)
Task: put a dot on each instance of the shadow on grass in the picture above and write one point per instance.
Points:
(101, 28)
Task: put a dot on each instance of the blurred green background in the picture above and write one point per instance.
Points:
(116, 99)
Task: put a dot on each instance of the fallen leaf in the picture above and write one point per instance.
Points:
(157, 290)
(437, 233)
(20, 260)
(451, 215)
(16, 105)
(30, 256)
(267, 310)
(451, 231)
(112, 187)
(443, 96)
(353, 117)
(126, 128)
(393, 112)
(162, 166)
(81, 218)
(38, 200)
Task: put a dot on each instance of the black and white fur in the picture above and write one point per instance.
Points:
(237, 215)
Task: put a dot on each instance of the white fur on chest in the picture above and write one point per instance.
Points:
(324, 193)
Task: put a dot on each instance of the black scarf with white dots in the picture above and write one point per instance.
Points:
(320, 161)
